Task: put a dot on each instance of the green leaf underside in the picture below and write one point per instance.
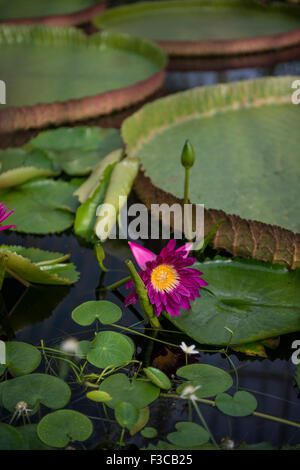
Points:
(211, 379)
(106, 312)
(240, 128)
(57, 429)
(77, 150)
(39, 266)
(240, 404)
(110, 348)
(52, 61)
(34, 389)
(253, 299)
(136, 392)
(85, 218)
(34, 8)
(188, 435)
(199, 20)
(42, 206)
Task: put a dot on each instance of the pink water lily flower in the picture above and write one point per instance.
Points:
(170, 282)
(4, 213)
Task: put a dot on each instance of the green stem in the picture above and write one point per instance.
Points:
(121, 443)
(255, 413)
(186, 185)
(117, 284)
(204, 424)
(17, 277)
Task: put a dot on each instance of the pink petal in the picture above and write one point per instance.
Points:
(141, 254)
(185, 249)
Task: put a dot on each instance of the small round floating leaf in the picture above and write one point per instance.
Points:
(136, 392)
(57, 429)
(110, 348)
(158, 377)
(21, 358)
(97, 395)
(149, 433)
(84, 347)
(103, 310)
(126, 414)
(188, 435)
(212, 379)
(10, 438)
(240, 404)
(35, 389)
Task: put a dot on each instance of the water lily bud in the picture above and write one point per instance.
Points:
(187, 155)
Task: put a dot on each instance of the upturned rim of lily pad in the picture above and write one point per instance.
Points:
(40, 115)
(67, 19)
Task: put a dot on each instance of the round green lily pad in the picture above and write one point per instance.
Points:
(126, 414)
(110, 348)
(68, 76)
(204, 27)
(240, 404)
(158, 377)
(136, 392)
(34, 389)
(212, 380)
(104, 311)
(188, 435)
(59, 428)
(21, 358)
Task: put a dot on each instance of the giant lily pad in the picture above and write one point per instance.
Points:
(254, 300)
(68, 76)
(246, 161)
(42, 206)
(205, 27)
(40, 266)
(52, 12)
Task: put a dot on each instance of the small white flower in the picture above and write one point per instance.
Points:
(70, 346)
(189, 392)
(188, 349)
(227, 443)
(22, 408)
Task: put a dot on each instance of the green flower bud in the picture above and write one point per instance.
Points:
(187, 155)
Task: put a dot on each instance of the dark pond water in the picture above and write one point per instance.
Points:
(45, 313)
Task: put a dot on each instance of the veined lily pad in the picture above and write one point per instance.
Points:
(254, 300)
(52, 12)
(205, 27)
(39, 266)
(245, 164)
(57, 429)
(21, 358)
(110, 348)
(42, 206)
(34, 389)
(188, 435)
(103, 310)
(20, 165)
(68, 76)
(76, 149)
(211, 380)
(136, 392)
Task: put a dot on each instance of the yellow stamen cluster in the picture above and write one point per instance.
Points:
(164, 278)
